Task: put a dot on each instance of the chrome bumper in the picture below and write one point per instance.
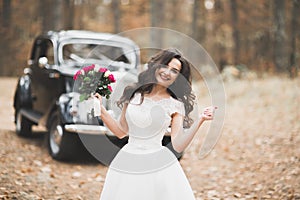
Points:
(93, 129)
(87, 129)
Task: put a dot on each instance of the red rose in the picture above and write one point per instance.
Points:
(89, 68)
(102, 70)
(109, 87)
(76, 75)
(111, 78)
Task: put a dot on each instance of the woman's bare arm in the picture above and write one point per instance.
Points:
(118, 127)
(182, 138)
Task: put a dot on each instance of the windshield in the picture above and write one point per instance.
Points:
(84, 53)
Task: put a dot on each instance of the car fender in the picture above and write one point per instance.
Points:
(58, 108)
(23, 96)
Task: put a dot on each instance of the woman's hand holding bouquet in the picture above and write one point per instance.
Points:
(94, 79)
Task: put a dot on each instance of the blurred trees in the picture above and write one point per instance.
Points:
(5, 17)
(292, 68)
(157, 19)
(117, 15)
(280, 53)
(262, 35)
(235, 31)
(6, 9)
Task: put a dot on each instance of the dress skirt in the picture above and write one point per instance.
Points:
(165, 181)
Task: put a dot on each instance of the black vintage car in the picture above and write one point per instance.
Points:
(45, 93)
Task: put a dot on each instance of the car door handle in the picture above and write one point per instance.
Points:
(54, 75)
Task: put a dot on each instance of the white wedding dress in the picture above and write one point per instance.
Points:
(144, 169)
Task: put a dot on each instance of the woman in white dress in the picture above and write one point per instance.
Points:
(144, 169)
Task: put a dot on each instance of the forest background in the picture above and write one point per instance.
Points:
(258, 35)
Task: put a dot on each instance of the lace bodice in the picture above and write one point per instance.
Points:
(148, 121)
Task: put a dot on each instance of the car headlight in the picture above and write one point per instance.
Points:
(68, 104)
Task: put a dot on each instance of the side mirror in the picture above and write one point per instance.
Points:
(43, 62)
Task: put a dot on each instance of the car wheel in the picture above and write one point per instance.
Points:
(23, 125)
(62, 145)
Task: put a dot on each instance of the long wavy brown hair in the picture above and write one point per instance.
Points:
(180, 89)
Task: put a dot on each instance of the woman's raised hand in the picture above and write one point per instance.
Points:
(208, 113)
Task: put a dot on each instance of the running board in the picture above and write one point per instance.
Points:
(31, 115)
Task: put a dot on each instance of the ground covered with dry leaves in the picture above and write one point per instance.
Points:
(256, 157)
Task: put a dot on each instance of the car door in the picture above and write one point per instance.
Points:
(47, 82)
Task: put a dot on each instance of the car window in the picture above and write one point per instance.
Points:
(50, 52)
(43, 48)
(81, 52)
(37, 51)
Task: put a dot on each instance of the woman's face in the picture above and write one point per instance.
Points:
(167, 74)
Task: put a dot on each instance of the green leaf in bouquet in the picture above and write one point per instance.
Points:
(82, 97)
(87, 79)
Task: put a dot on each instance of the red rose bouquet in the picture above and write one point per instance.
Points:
(92, 79)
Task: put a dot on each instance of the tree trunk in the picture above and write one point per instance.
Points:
(68, 14)
(6, 13)
(117, 15)
(280, 51)
(52, 14)
(157, 18)
(236, 39)
(196, 28)
(293, 68)
(6, 32)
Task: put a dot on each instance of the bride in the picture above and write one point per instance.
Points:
(144, 169)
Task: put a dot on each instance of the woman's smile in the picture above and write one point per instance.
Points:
(164, 77)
